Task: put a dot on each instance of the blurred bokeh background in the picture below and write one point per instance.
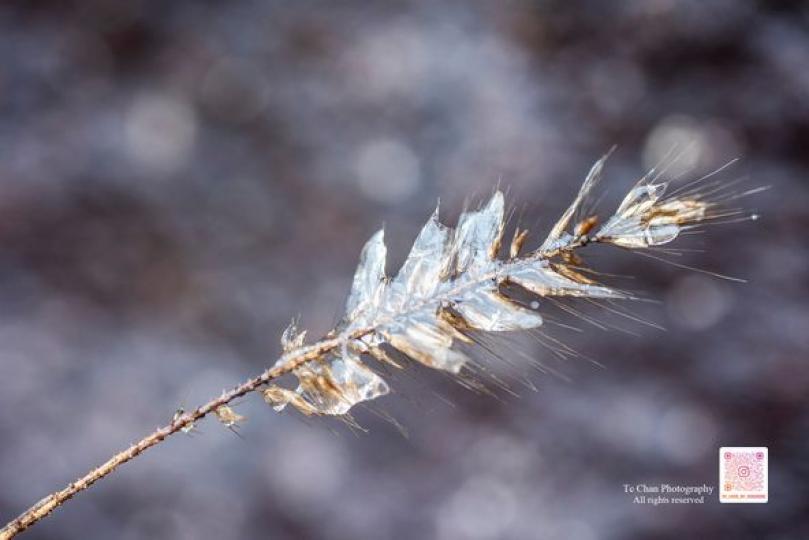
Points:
(178, 179)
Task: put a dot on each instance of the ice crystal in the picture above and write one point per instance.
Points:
(452, 285)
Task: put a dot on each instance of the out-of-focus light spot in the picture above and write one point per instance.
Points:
(686, 434)
(391, 62)
(307, 466)
(500, 456)
(616, 85)
(482, 508)
(387, 171)
(629, 421)
(160, 131)
(677, 144)
(221, 517)
(651, 8)
(234, 90)
(579, 530)
(144, 522)
(110, 16)
(698, 302)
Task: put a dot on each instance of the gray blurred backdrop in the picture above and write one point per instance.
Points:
(178, 179)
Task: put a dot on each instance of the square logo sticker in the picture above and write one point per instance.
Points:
(743, 474)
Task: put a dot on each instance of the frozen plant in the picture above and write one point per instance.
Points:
(452, 288)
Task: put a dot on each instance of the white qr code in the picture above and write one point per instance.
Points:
(743, 474)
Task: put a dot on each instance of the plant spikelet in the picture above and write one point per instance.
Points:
(452, 284)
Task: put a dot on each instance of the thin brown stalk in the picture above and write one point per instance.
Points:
(51, 502)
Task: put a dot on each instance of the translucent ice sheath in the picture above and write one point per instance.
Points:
(450, 286)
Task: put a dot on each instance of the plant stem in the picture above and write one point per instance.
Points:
(48, 504)
(287, 363)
